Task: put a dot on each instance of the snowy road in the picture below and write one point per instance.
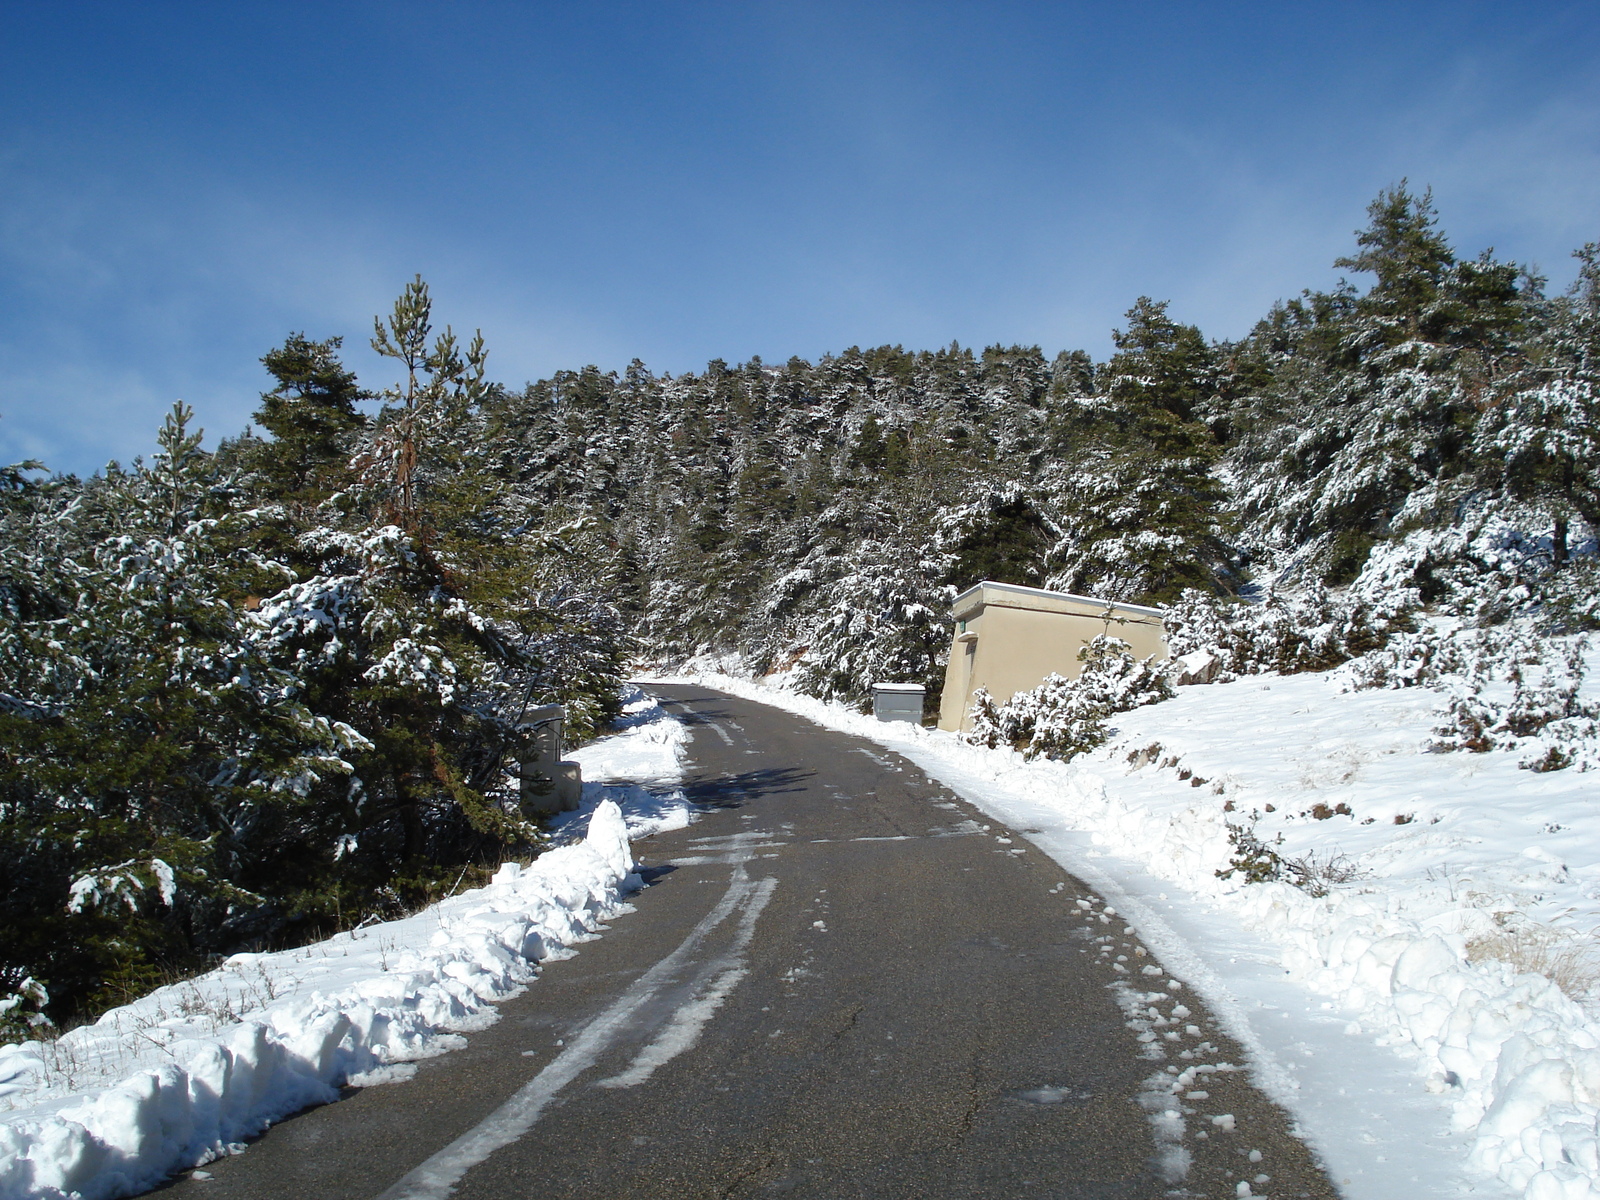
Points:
(843, 981)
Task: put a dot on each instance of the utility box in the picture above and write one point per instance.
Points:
(898, 702)
(548, 785)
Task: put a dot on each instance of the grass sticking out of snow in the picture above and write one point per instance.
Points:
(1568, 960)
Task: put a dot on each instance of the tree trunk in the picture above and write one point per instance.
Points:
(410, 821)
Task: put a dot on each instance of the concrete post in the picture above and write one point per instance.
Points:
(548, 785)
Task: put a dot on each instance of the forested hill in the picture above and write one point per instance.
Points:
(821, 514)
(252, 695)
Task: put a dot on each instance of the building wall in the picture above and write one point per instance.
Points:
(958, 675)
(1025, 634)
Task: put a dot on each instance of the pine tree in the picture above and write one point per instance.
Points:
(311, 415)
(1539, 441)
(1133, 497)
(1160, 365)
(1003, 536)
(1357, 411)
(165, 765)
(1403, 248)
(886, 619)
(438, 383)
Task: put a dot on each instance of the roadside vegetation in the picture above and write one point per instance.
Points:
(251, 695)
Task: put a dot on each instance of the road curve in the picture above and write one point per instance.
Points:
(842, 981)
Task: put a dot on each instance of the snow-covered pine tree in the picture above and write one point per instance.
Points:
(1359, 407)
(162, 767)
(311, 416)
(884, 620)
(1131, 486)
(1538, 441)
(431, 619)
(1003, 535)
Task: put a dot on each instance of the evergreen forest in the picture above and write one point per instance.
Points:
(254, 695)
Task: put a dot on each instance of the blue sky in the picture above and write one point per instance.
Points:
(181, 185)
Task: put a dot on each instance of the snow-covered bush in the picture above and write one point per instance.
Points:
(1567, 742)
(1487, 559)
(1252, 860)
(1065, 717)
(1434, 654)
(1544, 716)
(984, 717)
(22, 1004)
(1570, 599)
(1508, 689)
(1287, 634)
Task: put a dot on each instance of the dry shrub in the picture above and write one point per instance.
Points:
(1318, 876)
(1567, 960)
(1259, 862)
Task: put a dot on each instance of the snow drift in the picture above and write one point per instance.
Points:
(221, 1057)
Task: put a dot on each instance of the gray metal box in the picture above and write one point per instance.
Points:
(898, 702)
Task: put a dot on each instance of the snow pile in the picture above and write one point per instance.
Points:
(637, 769)
(1444, 898)
(189, 1072)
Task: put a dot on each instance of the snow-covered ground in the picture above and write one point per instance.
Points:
(1407, 1017)
(185, 1074)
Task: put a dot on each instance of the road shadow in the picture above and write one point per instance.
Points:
(734, 791)
(699, 716)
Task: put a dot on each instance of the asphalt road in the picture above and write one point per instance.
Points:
(842, 981)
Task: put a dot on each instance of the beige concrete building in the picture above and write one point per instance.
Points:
(1008, 638)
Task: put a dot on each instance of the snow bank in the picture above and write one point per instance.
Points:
(186, 1074)
(637, 768)
(1436, 869)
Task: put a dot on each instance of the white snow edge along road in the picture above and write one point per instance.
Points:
(1411, 1069)
(184, 1075)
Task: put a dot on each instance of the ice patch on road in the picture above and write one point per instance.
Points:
(436, 1178)
(684, 1028)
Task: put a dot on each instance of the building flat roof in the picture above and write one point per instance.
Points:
(1044, 594)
